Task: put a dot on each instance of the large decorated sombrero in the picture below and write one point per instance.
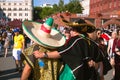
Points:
(80, 24)
(44, 34)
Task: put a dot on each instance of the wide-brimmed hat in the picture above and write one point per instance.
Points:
(44, 34)
(81, 25)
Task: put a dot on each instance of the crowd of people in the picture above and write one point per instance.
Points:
(79, 52)
(12, 39)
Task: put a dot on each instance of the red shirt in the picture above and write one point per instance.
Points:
(116, 43)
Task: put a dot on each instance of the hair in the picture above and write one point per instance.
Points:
(4, 35)
(77, 29)
(98, 30)
(100, 39)
(118, 31)
(67, 30)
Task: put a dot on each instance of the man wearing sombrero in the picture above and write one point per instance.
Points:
(47, 39)
(79, 55)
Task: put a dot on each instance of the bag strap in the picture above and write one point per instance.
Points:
(77, 67)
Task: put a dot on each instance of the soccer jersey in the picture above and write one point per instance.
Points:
(18, 41)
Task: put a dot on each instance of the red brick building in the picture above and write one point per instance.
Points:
(106, 13)
(103, 14)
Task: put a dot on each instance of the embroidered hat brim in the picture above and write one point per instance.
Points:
(31, 29)
(80, 24)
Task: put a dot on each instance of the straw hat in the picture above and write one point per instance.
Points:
(44, 34)
(80, 25)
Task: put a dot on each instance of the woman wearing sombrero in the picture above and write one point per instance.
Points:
(46, 39)
(79, 55)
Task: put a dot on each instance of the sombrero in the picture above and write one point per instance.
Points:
(80, 24)
(44, 34)
(83, 26)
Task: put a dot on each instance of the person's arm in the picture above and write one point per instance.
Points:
(114, 45)
(23, 46)
(26, 72)
(53, 54)
(23, 43)
(108, 48)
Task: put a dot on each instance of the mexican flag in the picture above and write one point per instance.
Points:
(67, 74)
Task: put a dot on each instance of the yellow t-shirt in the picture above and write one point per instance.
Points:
(18, 41)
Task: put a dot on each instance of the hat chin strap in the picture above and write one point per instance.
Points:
(43, 28)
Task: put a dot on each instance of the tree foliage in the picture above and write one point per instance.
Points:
(61, 6)
(46, 11)
(36, 12)
(73, 6)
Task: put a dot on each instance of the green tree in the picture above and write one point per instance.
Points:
(36, 12)
(46, 11)
(74, 6)
(55, 8)
(61, 6)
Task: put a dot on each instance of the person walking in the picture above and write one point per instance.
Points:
(115, 49)
(9, 34)
(6, 44)
(18, 47)
(110, 52)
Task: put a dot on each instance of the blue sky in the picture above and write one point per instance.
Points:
(40, 2)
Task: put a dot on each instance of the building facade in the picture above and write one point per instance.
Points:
(47, 5)
(106, 13)
(109, 8)
(16, 9)
(86, 5)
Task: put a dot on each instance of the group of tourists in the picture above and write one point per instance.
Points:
(79, 52)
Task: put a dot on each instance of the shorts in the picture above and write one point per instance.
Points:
(16, 54)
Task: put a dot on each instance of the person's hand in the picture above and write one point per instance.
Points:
(117, 51)
(112, 61)
(38, 54)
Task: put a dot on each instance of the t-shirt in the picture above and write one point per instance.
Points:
(9, 36)
(18, 41)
